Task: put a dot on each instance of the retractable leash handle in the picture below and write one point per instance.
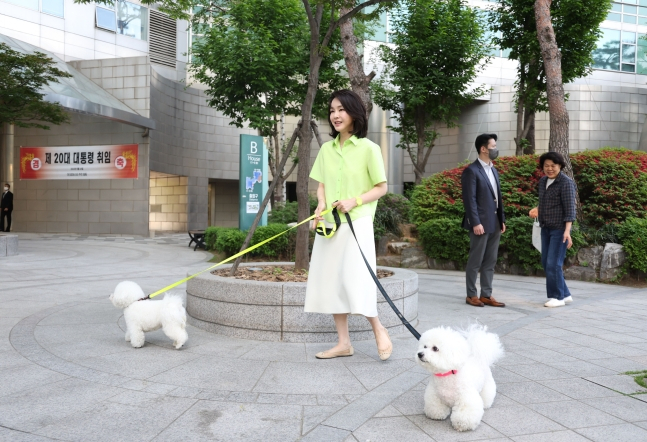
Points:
(406, 323)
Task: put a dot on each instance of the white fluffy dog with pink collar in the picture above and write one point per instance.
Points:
(461, 383)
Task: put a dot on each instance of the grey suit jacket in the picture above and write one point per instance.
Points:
(479, 201)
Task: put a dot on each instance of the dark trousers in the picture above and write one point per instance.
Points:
(7, 215)
(553, 253)
(483, 255)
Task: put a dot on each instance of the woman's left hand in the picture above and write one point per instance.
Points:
(345, 206)
(567, 237)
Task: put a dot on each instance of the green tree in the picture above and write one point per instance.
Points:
(576, 25)
(439, 48)
(22, 77)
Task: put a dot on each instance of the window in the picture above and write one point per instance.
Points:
(616, 51)
(629, 11)
(126, 19)
(52, 7)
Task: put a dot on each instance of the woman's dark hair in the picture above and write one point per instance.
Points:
(555, 157)
(354, 107)
(483, 140)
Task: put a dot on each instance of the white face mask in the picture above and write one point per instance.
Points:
(6, 189)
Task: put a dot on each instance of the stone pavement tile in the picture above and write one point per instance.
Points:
(621, 338)
(372, 374)
(503, 375)
(582, 368)
(213, 395)
(556, 436)
(641, 424)
(110, 421)
(501, 400)
(512, 358)
(157, 388)
(530, 392)
(578, 388)
(208, 421)
(622, 383)
(314, 415)
(624, 351)
(574, 414)
(187, 392)
(220, 346)
(518, 420)
(444, 432)
(621, 365)
(388, 411)
(242, 396)
(18, 378)
(538, 372)
(546, 356)
(132, 397)
(271, 398)
(387, 429)
(52, 402)
(511, 344)
(301, 399)
(277, 351)
(11, 358)
(525, 334)
(306, 378)
(48, 335)
(352, 397)
(139, 363)
(85, 313)
(8, 435)
(553, 343)
(410, 403)
(584, 353)
(100, 345)
(615, 433)
(331, 399)
(626, 408)
(215, 373)
(324, 433)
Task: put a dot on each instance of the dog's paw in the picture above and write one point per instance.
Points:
(436, 413)
(178, 345)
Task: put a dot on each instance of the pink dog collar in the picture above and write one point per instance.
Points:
(442, 375)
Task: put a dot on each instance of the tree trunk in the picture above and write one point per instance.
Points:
(521, 106)
(529, 118)
(559, 120)
(359, 83)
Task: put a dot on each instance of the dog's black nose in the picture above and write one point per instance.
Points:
(421, 355)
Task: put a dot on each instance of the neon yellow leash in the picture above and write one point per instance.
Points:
(247, 250)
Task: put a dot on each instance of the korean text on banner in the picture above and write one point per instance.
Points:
(79, 162)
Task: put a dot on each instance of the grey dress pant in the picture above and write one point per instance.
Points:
(483, 255)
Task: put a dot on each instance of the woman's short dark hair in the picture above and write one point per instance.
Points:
(483, 140)
(354, 107)
(555, 157)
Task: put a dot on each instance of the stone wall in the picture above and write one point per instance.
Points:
(168, 201)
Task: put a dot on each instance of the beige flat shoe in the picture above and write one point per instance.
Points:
(335, 354)
(386, 354)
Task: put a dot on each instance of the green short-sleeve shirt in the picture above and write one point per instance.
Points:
(349, 172)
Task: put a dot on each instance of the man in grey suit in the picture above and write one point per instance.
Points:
(484, 218)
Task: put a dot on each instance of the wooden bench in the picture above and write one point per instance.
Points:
(197, 237)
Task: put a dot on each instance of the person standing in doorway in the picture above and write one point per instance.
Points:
(6, 207)
(484, 219)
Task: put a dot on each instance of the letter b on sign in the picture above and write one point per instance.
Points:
(254, 148)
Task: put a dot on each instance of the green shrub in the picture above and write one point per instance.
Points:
(633, 235)
(445, 239)
(392, 210)
(279, 246)
(229, 241)
(612, 184)
(599, 236)
(211, 235)
(287, 212)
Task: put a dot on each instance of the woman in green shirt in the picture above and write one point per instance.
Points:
(351, 177)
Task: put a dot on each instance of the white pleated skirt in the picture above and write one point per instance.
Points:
(338, 280)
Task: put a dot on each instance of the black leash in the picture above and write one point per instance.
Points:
(413, 331)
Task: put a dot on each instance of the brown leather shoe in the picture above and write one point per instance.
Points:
(491, 302)
(474, 301)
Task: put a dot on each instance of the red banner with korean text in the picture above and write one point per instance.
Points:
(79, 162)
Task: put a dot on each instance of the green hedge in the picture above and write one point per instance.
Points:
(392, 210)
(633, 235)
(229, 240)
(445, 239)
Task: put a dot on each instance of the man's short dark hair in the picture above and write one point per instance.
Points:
(354, 107)
(8, 185)
(555, 157)
(483, 140)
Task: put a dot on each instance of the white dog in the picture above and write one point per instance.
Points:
(462, 382)
(149, 315)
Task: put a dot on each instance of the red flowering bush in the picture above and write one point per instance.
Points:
(440, 195)
(612, 184)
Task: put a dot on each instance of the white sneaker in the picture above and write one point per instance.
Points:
(552, 302)
(568, 300)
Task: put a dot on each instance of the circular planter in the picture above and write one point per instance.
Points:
(273, 311)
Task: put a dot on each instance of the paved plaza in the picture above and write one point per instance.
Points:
(67, 374)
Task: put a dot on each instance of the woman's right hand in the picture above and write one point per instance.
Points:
(320, 208)
(534, 213)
